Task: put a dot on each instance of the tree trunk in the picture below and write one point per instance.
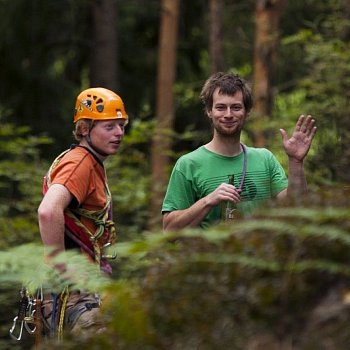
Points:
(216, 51)
(104, 66)
(161, 143)
(267, 17)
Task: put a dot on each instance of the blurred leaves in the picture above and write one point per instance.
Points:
(21, 173)
(212, 288)
(25, 265)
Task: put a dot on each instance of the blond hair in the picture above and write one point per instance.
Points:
(80, 127)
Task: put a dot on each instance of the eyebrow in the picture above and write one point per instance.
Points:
(228, 104)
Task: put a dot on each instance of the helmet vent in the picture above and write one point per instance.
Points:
(100, 108)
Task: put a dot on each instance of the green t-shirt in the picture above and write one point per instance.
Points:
(200, 172)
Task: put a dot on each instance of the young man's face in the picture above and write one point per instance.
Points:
(107, 135)
(228, 113)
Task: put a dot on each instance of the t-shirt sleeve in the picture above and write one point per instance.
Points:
(75, 175)
(279, 180)
(179, 194)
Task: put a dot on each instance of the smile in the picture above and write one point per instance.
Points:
(228, 124)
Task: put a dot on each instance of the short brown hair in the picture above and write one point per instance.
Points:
(228, 84)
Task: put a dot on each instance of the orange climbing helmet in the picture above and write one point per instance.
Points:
(99, 104)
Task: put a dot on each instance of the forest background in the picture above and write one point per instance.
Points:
(157, 55)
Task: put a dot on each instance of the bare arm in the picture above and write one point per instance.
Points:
(297, 148)
(51, 216)
(194, 215)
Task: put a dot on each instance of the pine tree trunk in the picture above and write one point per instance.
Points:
(104, 66)
(161, 143)
(267, 17)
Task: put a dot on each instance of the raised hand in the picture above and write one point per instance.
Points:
(298, 145)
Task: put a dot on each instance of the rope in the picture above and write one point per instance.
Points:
(64, 299)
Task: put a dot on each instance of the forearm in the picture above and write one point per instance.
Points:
(52, 231)
(297, 184)
(190, 217)
(51, 217)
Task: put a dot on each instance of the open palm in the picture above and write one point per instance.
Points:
(298, 145)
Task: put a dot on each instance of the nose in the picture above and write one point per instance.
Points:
(228, 112)
(119, 130)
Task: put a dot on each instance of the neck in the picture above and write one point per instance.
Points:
(226, 146)
(93, 150)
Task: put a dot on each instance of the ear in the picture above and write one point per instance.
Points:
(84, 128)
(209, 113)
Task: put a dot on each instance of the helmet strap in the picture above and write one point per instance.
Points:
(96, 149)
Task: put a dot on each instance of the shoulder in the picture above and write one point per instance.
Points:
(258, 151)
(261, 153)
(79, 156)
(191, 158)
(78, 162)
(196, 155)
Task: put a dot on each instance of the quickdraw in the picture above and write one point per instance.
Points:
(27, 314)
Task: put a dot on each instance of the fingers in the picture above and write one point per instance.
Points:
(227, 192)
(283, 134)
(299, 123)
(306, 125)
(310, 128)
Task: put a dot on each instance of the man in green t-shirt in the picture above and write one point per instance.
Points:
(198, 184)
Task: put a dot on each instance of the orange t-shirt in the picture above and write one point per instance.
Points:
(85, 178)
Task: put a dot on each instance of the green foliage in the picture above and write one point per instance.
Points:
(323, 87)
(25, 265)
(128, 314)
(210, 289)
(22, 172)
(217, 288)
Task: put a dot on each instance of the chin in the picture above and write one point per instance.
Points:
(113, 151)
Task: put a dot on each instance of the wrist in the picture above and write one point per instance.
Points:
(295, 161)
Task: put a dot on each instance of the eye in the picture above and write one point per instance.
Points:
(109, 127)
(237, 107)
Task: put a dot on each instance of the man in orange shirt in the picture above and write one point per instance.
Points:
(76, 208)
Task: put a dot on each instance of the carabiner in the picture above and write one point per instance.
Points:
(108, 256)
(30, 319)
(13, 328)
